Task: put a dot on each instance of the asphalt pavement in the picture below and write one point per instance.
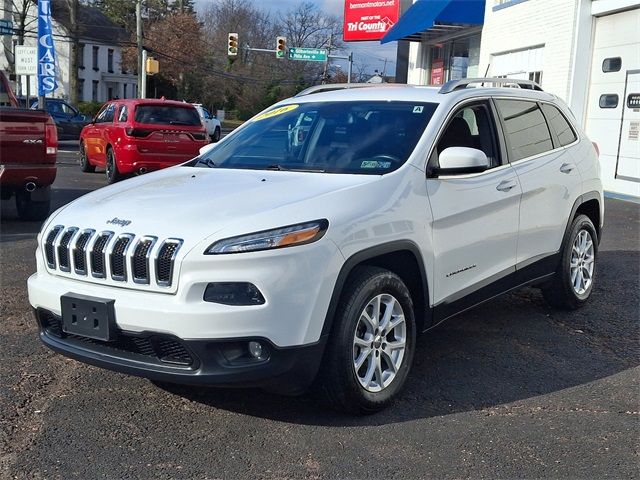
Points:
(511, 389)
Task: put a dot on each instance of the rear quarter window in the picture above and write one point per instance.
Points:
(525, 128)
(559, 124)
(166, 115)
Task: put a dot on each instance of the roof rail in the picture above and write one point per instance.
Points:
(329, 87)
(453, 85)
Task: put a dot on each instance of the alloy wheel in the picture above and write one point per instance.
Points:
(379, 342)
(582, 262)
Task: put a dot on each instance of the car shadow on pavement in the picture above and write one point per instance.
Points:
(512, 348)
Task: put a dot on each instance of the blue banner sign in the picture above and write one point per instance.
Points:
(46, 50)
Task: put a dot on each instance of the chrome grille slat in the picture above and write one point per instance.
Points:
(64, 254)
(127, 258)
(118, 257)
(79, 251)
(49, 248)
(97, 255)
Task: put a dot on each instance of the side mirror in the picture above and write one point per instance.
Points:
(206, 149)
(460, 161)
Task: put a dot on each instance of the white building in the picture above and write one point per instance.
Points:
(100, 73)
(585, 51)
(588, 53)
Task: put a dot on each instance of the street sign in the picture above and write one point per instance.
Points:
(26, 60)
(6, 27)
(308, 54)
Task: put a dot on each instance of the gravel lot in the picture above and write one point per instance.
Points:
(509, 389)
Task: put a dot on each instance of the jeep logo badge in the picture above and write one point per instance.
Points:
(118, 221)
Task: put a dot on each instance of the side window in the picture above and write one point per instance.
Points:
(472, 127)
(123, 114)
(106, 116)
(559, 124)
(526, 130)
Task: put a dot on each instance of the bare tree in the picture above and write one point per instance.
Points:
(74, 47)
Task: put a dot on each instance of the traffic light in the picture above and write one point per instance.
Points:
(281, 47)
(232, 48)
(153, 66)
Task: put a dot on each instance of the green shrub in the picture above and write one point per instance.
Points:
(89, 108)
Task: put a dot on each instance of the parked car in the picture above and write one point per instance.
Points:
(28, 149)
(252, 266)
(138, 136)
(67, 118)
(211, 122)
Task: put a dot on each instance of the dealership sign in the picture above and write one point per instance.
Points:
(369, 19)
(46, 50)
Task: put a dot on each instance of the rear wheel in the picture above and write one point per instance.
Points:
(111, 168)
(371, 348)
(572, 284)
(31, 209)
(84, 161)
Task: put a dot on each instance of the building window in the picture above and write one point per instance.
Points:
(110, 60)
(110, 93)
(535, 77)
(500, 4)
(96, 51)
(94, 90)
(81, 56)
(613, 64)
(609, 100)
(124, 90)
(81, 89)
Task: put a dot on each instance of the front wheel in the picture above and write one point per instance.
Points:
(85, 166)
(372, 344)
(573, 282)
(111, 168)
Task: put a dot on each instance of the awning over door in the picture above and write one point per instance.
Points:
(436, 18)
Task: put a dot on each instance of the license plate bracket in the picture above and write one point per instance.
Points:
(91, 317)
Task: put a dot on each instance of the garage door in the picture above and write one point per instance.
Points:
(613, 111)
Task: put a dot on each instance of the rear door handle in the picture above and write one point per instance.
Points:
(567, 167)
(506, 185)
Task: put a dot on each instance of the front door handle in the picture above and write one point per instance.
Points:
(506, 185)
(567, 167)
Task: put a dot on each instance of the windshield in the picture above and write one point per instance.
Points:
(339, 137)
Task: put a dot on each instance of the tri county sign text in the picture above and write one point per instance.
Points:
(369, 19)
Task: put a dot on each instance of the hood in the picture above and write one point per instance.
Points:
(198, 202)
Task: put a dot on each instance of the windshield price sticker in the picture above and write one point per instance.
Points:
(375, 164)
(275, 112)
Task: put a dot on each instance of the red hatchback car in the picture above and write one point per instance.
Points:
(137, 136)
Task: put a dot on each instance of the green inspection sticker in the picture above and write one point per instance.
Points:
(374, 164)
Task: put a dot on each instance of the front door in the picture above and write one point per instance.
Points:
(475, 216)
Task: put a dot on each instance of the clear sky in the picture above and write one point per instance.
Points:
(371, 54)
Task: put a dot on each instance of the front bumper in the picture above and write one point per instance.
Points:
(162, 357)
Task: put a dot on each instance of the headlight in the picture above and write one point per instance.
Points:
(289, 236)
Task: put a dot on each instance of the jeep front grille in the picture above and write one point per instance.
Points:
(123, 258)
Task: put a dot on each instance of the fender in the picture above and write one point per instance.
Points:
(424, 320)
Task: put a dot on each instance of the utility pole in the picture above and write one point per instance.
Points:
(326, 63)
(141, 65)
(73, 57)
(143, 75)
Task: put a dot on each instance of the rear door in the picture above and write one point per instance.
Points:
(475, 216)
(538, 137)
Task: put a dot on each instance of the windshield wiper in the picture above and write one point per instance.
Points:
(206, 161)
(280, 168)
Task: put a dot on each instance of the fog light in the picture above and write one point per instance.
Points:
(255, 349)
(233, 293)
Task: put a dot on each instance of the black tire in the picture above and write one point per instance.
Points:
(560, 292)
(29, 209)
(216, 135)
(84, 161)
(111, 168)
(338, 379)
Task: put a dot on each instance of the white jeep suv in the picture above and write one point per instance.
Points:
(267, 263)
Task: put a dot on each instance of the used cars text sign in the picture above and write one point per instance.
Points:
(369, 19)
